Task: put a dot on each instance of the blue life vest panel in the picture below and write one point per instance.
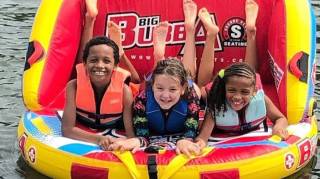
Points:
(156, 120)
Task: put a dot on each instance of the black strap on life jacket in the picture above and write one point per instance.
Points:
(265, 125)
(152, 167)
(247, 127)
(118, 123)
(99, 116)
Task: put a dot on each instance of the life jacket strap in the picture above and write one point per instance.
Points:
(117, 123)
(99, 116)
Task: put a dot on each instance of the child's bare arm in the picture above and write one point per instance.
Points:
(279, 120)
(69, 112)
(206, 129)
(188, 147)
(69, 120)
(127, 111)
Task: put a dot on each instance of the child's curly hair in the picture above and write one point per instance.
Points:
(98, 41)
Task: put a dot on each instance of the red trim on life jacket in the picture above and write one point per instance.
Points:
(236, 128)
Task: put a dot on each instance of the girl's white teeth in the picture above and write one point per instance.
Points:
(236, 102)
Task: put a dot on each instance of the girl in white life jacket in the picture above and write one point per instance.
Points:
(237, 103)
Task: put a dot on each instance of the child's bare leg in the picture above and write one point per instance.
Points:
(189, 56)
(114, 32)
(207, 59)
(159, 41)
(251, 9)
(87, 34)
(92, 9)
(251, 17)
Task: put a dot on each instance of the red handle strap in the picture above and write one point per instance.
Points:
(37, 53)
(298, 65)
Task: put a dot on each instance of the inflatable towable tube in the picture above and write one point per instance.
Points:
(286, 52)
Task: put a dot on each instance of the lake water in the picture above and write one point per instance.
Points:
(16, 18)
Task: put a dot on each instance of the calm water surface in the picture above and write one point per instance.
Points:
(16, 18)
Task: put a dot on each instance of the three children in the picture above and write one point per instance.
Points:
(170, 102)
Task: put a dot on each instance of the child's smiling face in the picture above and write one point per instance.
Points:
(167, 90)
(239, 91)
(100, 64)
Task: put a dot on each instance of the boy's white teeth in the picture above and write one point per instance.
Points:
(99, 73)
